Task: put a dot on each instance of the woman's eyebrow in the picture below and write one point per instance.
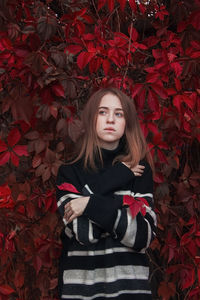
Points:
(105, 107)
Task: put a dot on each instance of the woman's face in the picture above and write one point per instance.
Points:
(110, 124)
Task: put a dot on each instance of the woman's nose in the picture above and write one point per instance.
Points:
(110, 118)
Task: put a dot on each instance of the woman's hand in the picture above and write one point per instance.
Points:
(137, 170)
(75, 208)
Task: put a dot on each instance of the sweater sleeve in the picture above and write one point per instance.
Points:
(136, 232)
(84, 230)
(103, 204)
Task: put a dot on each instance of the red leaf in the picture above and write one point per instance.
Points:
(195, 19)
(127, 200)
(195, 292)
(38, 264)
(133, 5)
(19, 279)
(13, 137)
(4, 191)
(171, 56)
(153, 100)
(48, 202)
(160, 90)
(135, 205)
(141, 98)
(32, 135)
(74, 129)
(88, 37)
(46, 96)
(134, 34)
(187, 276)
(111, 4)
(153, 127)
(177, 101)
(74, 49)
(137, 89)
(142, 8)
(152, 77)
(178, 84)
(58, 90)
(84, 58)
(166, 290)
(158, 177)
(140, 46)
(181, 26)
(106, 66)
(135, 208)
(122, 4)
(162, 156)
(177, 68)
(81, 12)
(4, 158)
(14, 159)
(6, 200)
(158, 141)
(6, 289)
(143, 200)
(54, 111)
(171, 91)
(101, 3)
(68, 187)
(151, 41)
(3, 146)
(24, 126)
(95, 64)
(189, 101)
(21, 197)
(53, 283)
(5, 44)
(21, 150)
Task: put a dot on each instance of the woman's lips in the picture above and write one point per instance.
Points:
(109, 129)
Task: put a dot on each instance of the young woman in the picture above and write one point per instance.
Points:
(105, 199)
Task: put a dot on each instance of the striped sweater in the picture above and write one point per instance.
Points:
(103, 253)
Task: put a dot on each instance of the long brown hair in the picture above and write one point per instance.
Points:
(135, 143)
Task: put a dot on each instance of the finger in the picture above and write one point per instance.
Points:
(139, 171)
(139, 167)
(137, 174)
(68, 214)
(71, 218)
(68, 205)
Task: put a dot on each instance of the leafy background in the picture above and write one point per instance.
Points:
(53, 55)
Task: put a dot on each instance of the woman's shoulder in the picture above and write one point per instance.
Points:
(69, 166)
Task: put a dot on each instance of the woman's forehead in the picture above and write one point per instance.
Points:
(110, 101)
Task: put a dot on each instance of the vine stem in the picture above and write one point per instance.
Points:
(96, 10)
(128, 62)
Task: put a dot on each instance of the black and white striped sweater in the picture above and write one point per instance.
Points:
(103, 253)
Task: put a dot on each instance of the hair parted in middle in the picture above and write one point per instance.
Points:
(135, 143)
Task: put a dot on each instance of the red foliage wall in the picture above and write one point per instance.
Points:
(53, 54)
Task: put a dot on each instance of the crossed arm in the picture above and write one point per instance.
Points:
(98, 214)
(76, 207)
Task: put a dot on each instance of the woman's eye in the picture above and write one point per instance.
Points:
(102, 112)
(119, 114)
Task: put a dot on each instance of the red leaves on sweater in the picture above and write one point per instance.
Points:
(136, 205)
(67, 187)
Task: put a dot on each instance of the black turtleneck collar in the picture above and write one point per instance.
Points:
(109, 155)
